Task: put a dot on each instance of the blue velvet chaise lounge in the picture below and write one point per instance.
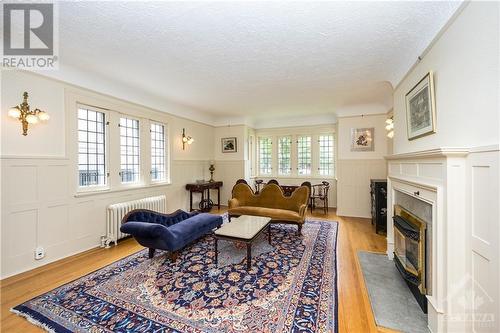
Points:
(170, 232)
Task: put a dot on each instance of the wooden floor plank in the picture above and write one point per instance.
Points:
(355, 314)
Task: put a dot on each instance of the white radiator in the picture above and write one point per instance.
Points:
(116, 212)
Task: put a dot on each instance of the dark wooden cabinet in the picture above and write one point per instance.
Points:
(378, 191)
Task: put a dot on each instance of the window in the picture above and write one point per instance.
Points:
(284, 155)
(129, 150)
(158, 170)
(326, 155)
(304, 155)
(265, 156)
(91, 148)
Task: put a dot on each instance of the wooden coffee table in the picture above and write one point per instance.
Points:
(243, 229)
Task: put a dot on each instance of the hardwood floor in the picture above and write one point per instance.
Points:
(355, 314)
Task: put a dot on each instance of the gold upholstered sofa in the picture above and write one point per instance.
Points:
(270, 202)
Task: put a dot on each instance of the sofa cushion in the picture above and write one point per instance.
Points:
(192, 228)
(273, 213)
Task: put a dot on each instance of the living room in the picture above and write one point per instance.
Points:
(336, 164)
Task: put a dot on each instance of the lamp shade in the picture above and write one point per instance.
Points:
(32, 119)
(42, 115)
(14, 112)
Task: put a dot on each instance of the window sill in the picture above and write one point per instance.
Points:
(88, 193)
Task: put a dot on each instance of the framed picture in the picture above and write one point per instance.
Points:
(362, 139)
(229, 145)
(420, 108)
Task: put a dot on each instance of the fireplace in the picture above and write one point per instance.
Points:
(410, 252)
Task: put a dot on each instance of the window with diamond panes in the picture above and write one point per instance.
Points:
(91, 148)
(129, 150)
(265, 156)
(284, 155)
(326, 158)
(304, 155)
(158, 169)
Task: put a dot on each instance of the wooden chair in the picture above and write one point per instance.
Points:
(241, 181)
(320, 191)
(273, 181)
(258, 185)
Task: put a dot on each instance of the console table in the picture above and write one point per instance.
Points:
(204, 188)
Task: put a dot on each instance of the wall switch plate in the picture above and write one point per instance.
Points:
(39, 253)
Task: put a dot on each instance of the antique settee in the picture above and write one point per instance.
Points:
(270, 202)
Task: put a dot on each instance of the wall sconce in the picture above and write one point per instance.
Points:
(23, 113)
(186, 139)
(390, 127)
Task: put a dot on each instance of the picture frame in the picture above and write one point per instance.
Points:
(421, 108)
(229, 145)
(363, 139)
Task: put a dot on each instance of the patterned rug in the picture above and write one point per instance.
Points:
(291, 287)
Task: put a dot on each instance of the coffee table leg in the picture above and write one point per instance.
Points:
(216, 252)
(269, 233)
(249, 256)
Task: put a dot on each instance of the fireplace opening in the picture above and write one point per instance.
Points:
(410, 252)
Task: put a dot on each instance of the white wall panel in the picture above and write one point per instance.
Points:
(19, 226)
(53, 223)
(22, 182)
(54, 182)
(353, 195)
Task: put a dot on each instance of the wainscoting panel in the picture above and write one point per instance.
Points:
(41, 209)
(484, 227)
(22, 180)
(353, 193)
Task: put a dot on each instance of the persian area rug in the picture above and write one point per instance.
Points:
(291, 287)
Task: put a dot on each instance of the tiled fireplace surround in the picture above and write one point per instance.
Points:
(451, 196)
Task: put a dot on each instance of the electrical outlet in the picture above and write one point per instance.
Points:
(39, 253)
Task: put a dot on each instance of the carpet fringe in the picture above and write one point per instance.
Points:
(33, 320)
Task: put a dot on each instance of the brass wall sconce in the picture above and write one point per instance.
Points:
(25, 115)
(186, 139)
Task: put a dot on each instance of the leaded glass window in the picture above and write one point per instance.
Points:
(91, 147)
(129, 150)
(304, 155)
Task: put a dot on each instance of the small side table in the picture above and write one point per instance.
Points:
(204, 189)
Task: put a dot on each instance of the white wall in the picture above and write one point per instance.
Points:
(465, 64)
(40, 206)
(229, 167)
(355, 168)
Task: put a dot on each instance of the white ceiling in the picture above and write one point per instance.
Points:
(253, 59)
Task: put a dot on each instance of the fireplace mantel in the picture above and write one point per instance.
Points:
(436, 177)
(431, 153)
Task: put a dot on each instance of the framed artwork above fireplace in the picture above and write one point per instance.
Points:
(421, 109)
